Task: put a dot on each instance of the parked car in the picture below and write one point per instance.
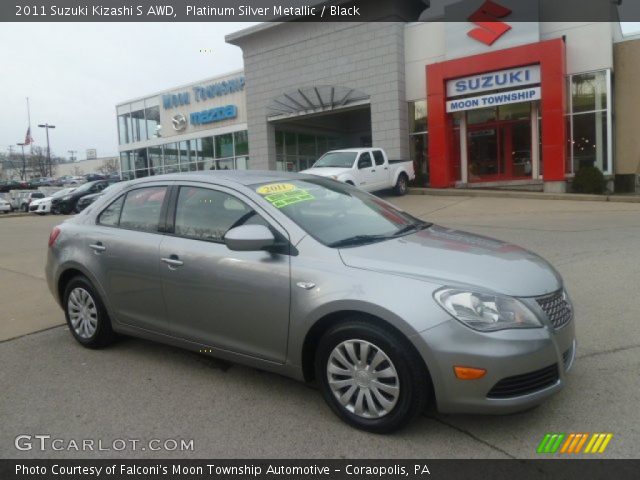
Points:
(43, 206)
(92, 177)
(316, 279)
(26, 200)
(367, 168)
(5, 207)
(9, 185)
(87, 200)
(67, 204)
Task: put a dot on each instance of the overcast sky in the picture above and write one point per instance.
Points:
(75, 74)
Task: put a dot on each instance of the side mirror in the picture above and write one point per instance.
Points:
(249, 238)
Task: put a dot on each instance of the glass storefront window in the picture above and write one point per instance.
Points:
(124, 128)
(241, 143)
(418, 116)
(152, 115)
(481, 115)
(515, 111)
(224, 146)
(139, 126)
(589, 91)
(155, 160)
(141, 163)
(125, 162)
(590, 141)
(170, 158)
(588, 122)
(207, 153)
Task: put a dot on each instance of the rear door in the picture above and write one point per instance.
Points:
(124, 249)
(236, 301)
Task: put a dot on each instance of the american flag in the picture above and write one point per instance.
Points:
(28, 139)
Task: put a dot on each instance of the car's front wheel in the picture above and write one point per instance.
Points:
(370, 376)
(86, 316)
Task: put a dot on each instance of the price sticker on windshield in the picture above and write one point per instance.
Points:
(282, 195)
(276, 188)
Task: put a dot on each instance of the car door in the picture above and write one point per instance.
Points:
(381, 170)
(366, 172)
(236, 301)
(124, 251)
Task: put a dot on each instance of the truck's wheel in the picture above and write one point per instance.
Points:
(402, 185)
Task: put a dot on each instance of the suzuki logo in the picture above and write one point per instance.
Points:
(486, 18)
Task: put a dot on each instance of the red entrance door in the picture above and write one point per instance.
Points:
(499, 150)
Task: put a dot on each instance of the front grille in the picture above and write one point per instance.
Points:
(524, 384)
(557, 309)
(33, 208)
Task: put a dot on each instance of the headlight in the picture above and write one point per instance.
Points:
(66, 197)
(334, 177)
(486, 312)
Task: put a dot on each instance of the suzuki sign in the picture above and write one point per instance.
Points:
(501, 80)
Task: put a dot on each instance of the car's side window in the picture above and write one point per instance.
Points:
(141, 209)
(206, 214)
(365, 160)
(379, 157)
(110, 216)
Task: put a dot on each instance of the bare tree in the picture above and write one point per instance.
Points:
(109, 165)
(37, 162)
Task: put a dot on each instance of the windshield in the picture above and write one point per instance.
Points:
(337, 214)
(336, 159)
(37, 195)
(85, 187)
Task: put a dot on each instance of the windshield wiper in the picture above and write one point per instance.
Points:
(358, 240)
(412, 227)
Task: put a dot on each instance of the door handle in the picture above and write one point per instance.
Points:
(386, 168)
(98, 247)
(173, 261)
(373, 171)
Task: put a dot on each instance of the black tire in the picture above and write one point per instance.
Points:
(402, 185)
(103, 334)
(412, 379)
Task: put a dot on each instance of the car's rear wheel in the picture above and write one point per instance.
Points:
(86, 316)
(402, 185)
(370, 376)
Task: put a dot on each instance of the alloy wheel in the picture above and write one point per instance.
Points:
(363, 379)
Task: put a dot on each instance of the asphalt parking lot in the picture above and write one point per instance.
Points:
(140, 390)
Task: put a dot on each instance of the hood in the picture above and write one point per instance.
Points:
(38, 201)
(327, 171)
(452, 257)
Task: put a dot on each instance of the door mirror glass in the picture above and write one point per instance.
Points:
(249, 238)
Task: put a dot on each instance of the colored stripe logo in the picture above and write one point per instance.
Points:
(573, 443)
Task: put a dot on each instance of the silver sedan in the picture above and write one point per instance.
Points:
(317, 280)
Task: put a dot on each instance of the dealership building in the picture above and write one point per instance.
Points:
(525, 106)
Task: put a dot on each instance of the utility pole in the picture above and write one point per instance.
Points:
(71, 156)
(46, 126)
(24, 163)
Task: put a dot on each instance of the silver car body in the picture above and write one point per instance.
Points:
(263, 310)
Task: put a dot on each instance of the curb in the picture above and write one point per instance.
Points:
(456, 192)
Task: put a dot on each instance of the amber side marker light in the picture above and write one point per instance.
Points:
(469, 373)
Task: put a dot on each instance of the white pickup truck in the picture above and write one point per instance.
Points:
(367, 168)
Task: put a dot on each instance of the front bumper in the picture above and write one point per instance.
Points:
(521, 359)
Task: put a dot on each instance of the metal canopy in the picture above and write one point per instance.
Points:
(314, 99)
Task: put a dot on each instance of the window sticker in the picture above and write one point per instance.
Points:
(275, 188)
(282, 195)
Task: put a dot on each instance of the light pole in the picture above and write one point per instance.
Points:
(47, 127)
(71, 157)
(24, 162)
